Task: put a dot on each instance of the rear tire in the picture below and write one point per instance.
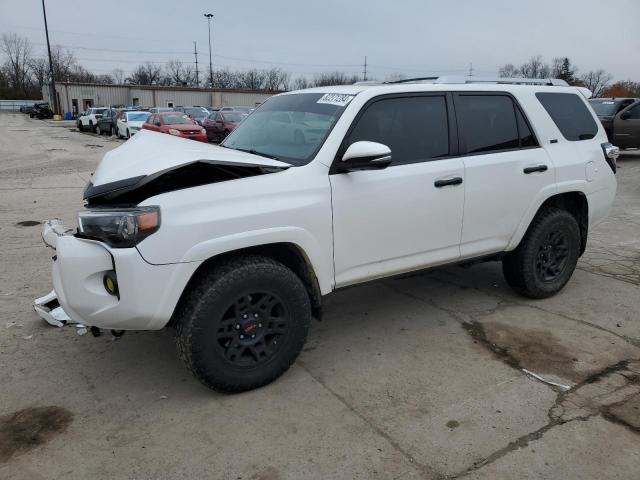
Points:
(547, 255)
(243, 323)
(91, 127)
(80, 127)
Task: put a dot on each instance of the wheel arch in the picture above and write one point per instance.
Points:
(574, 202)
(289, 254)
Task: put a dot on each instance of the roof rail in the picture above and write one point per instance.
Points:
(462, 80)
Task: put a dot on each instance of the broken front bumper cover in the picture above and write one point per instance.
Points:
(147, 293)
(49, 309)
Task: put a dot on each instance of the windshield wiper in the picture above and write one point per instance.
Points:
(255, 152)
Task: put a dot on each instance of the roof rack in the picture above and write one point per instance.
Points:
(462, 80)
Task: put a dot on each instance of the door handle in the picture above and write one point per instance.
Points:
(537, 168)
(448, 181)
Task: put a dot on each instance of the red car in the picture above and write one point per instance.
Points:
(221, 124)
(175, 123)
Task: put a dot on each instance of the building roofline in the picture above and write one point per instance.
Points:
(172, 87)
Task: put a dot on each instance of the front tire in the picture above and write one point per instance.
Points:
(243, 323)
(547, 255)
(98, 130)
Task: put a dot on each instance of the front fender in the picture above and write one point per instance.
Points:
(295, 235)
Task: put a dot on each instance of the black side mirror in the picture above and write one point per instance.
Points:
(625, 115)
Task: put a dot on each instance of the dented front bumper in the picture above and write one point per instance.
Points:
(146, 297)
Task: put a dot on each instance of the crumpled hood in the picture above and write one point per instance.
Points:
(150, 152)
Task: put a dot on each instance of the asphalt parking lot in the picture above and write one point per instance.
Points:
(442, 374)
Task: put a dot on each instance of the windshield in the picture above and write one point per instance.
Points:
(233, 117)
(176, 120)
(290, 127)
(603, 108)
(196, 112)
(137, 117)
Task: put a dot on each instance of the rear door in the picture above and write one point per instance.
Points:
(409, 215)
(505, 168)
(626, 127)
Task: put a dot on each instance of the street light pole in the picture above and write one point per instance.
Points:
(52, 84)
(209, 17)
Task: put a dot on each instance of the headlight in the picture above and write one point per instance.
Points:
(173, 131)
(119, 228)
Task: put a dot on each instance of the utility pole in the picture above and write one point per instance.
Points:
(52, 83)
(195, 52)
(365, 69)
(471, 69)
(209, 17)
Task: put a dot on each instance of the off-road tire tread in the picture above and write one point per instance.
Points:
(518, 266)
(208, 286)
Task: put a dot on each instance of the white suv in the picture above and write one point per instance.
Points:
(236, 245)
(89, 118)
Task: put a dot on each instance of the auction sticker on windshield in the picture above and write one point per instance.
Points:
(339, 99)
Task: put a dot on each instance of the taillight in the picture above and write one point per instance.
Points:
(611, 154)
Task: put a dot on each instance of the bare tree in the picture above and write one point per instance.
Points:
(64, 63)
(508, 70)
(556, 67)
(253, 79)
(16, 67)
(301, 83)
(276, 79)
(534, 68)
(145, 74)
(39, 67)
(596, 81)
(395, 77)
(333, 78)
(178, 73)
(118, 76)
(225, 78)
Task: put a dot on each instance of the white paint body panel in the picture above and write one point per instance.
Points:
(352, 227)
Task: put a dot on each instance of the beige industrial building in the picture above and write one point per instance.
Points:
(77, 97)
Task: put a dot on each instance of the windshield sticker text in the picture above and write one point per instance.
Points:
(339, 99)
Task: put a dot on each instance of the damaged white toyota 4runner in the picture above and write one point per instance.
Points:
(236, 245)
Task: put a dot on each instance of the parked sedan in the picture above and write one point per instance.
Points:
(175, 123)
(220, 124)
(130, 123)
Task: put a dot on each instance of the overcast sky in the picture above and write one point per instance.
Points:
(414, 37)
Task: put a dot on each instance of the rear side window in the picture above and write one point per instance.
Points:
(570, 114)
(414, 128)
(488, 123)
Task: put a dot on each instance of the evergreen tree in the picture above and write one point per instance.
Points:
(566, 72)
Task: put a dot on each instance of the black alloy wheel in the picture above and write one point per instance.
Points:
(552, 256)
(252, 329)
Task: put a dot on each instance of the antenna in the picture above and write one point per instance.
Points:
(471, 69)
(195, 52)
(365, 69)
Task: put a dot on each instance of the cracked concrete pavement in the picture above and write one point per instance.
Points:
(417, 376)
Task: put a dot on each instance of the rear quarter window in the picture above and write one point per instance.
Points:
(570, 114)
